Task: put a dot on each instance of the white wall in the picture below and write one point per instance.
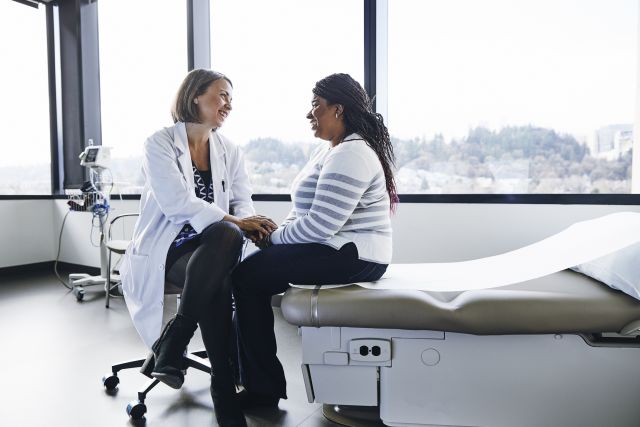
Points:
(26, 231)
(81, 234)
(455, 232)
(422, 232)
(29, 229)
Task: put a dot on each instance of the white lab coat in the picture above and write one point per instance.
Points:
(167, 203)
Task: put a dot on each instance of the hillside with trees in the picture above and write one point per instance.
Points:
(519, 159)
(523, 159)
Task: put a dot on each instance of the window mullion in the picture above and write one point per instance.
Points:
(198, 34)
(635, 159)
(381, 62)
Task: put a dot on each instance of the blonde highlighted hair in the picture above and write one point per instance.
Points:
(194, 84)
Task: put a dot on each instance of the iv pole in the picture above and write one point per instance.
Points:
(98, 203)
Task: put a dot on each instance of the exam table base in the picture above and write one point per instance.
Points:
(433, 378)
(353, 416)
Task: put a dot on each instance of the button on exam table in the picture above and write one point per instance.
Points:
(561, 350)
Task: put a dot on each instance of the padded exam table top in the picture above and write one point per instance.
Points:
(563, 302)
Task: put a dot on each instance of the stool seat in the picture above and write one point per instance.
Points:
(171, 288)
(118, 246)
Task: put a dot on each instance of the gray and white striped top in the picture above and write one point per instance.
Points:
(340, 196)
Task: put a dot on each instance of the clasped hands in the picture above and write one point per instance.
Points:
(258, 228)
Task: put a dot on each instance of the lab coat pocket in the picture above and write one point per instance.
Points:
(137, 267)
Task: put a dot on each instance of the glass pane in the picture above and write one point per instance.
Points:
(500, 96)
(25, 164)
(274, 53)
(142, 63)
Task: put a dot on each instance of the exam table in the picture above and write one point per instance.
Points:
(562, 350)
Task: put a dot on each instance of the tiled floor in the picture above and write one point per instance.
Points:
(54, 351)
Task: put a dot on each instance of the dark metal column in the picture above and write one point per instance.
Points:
(370, 48)
(198, 34)
(54, 130)
(80, 84)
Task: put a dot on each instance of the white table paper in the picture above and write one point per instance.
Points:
(579, 243)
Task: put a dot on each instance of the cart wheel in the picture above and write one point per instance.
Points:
(110, 382)
(136, 409)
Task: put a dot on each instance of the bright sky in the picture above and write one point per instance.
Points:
(570, 65)
(453, 64)
(24, 110)
(274, 56)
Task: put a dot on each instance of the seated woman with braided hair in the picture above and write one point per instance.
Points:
(338, 231)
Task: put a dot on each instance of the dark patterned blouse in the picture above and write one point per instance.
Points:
(204, 190)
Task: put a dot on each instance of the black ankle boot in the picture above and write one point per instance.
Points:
(249, 400)
(225, 402)
(169, 348)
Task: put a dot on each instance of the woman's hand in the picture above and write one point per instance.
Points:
(263, 243)
(255, 227)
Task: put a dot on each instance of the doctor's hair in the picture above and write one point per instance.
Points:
(194, 84)
(359, 117)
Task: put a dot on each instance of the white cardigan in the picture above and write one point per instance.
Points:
(167, 203)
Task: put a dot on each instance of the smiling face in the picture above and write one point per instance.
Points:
(326, 120)
(215, 104)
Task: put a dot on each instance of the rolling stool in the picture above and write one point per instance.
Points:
(137, 408)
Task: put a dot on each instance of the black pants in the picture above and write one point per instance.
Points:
(203, 269)
(269, 272)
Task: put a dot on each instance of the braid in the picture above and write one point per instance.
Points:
(360, 118)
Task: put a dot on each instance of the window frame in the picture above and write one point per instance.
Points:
(381, 85)
(375, 71)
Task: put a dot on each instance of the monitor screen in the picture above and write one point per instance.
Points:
(92, 154)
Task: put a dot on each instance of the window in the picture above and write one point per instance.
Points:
(512, 97)
(142, 63)
(25, 164)
(274, 52)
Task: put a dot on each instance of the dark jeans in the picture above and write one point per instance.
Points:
(269, 272)
(204, 273)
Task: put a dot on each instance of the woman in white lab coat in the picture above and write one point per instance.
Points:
(194, 210)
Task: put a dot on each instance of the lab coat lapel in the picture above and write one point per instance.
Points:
(217, 153)
(183, 155)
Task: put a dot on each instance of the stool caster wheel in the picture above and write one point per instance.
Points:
(110, 382)
(79, 293)
(136, 409)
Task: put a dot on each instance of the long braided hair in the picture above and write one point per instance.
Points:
(360, 118)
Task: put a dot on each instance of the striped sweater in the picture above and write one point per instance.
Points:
(340, 196)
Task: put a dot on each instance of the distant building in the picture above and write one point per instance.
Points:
(610, 142)
(623, 140)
